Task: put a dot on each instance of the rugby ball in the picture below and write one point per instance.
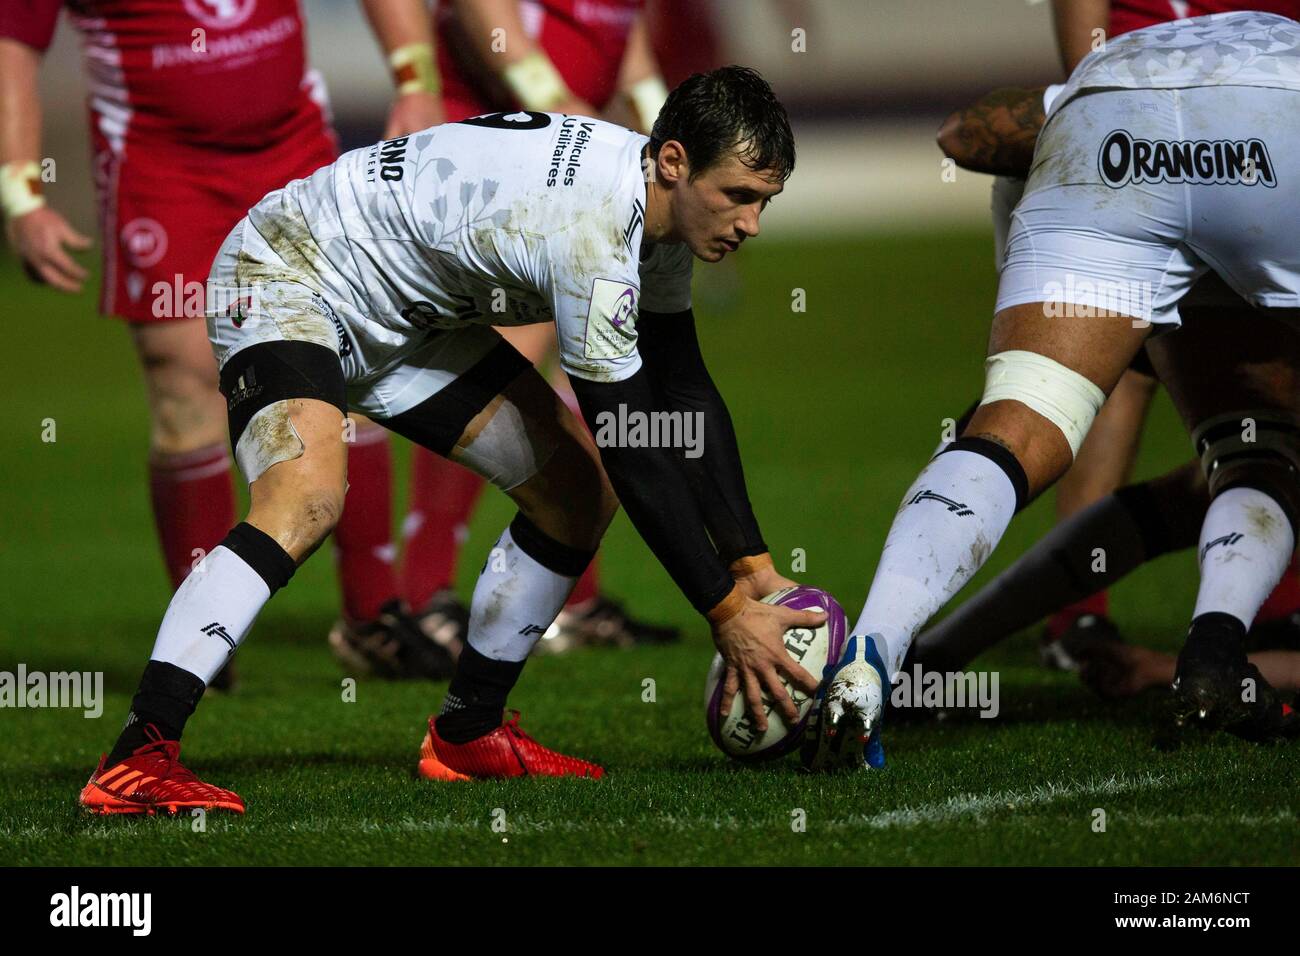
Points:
(812, 647)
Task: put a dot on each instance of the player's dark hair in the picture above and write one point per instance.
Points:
(712, 113)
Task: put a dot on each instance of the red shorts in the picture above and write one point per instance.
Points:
(165, 208)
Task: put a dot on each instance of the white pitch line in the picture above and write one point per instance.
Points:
(982, 805)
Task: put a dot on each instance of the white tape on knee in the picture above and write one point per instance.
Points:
(268, 439)
(1061, 395)
(504, 452)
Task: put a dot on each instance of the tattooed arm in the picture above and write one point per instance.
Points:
(995, 134)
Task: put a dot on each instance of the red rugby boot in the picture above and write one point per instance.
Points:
(153, 779)
(506, 752)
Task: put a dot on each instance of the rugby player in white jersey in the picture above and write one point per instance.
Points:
(374, 285)
(1170, 153)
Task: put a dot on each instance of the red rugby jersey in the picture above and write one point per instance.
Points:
(1126, 15)
(230, 74)
(585, 39)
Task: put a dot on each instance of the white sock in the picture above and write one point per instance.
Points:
(515, 600)
(210, 614)
(950, 520)
(1246, 544)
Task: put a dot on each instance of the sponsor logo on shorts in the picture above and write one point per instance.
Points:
(145, 242)
(1123, 159)
(234, 302)
(345, 343)
(221, 14)
(246, 387)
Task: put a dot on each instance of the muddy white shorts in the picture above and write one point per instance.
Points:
(1135, 194)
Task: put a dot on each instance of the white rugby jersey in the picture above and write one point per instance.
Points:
(507, 219)
(1222, 49)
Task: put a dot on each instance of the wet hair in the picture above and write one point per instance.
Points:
(713, 113)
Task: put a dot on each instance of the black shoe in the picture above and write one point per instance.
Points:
(392, 647)
(1063, 653)
(601, 622)
(1218, 688)
(445, 621)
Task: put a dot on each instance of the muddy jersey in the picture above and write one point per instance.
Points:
(508, 219)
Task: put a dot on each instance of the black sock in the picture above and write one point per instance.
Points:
(1216, 637)
(476, 699)
(167, 697)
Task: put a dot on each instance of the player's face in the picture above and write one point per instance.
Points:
(719, 209)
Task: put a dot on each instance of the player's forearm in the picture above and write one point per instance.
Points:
(497, 50)
(20, 104)
(404, 30)
(654, 491)
(997, 133)
(670, 349)
(495, 30)
(639, 80)
(1075, 21)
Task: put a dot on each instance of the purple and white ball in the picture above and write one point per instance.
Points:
(812, 647)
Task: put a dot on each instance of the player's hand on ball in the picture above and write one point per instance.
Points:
(762, 582)
(414, 111)
(39, 238)
(752, 645)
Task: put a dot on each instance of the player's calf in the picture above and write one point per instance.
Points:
(1246, 543)
(527, 443)
(289, 444)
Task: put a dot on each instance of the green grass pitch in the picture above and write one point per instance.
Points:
(837, 408)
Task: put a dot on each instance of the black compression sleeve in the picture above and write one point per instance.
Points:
(670, 350)
(653, 488)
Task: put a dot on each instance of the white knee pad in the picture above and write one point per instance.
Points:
(1061, 395)
(504, 452)
(268, 439)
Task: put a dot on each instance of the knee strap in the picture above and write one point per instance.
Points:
(1253, 449)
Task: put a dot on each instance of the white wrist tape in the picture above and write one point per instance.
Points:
(20, 188)
(1061, 395)
(413, 69)
(536, 83)
(647, 99)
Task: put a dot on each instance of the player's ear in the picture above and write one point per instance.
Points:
(671, 162)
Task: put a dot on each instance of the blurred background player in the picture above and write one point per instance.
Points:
(1105, 461)
(197, 109)
(589, 57)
